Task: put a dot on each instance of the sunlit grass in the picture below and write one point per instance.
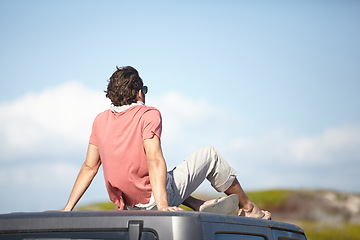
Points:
(270, 198)
(263, 199)
(103, 206)
(320, 231)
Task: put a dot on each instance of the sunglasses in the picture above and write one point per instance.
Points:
(144, 89)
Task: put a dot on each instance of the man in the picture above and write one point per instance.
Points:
(125, 139)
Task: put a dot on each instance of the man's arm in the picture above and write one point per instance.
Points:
(157, 173)
(87, 173)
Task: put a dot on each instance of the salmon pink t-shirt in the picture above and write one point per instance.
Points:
(119, 138)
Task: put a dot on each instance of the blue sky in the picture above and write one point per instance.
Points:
(273, 85)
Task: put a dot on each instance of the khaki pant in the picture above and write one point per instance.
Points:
(185, 178)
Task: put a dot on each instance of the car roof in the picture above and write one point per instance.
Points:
(115, 219)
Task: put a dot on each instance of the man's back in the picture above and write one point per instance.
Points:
(119, 137)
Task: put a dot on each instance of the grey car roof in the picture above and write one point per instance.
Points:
(114, 219)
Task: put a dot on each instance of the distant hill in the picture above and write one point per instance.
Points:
(310, 205)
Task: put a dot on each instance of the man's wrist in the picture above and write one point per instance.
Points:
(162, 206)
(67, 209)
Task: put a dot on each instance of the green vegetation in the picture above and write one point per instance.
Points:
(104, 206)
(269, 199)
(320, 231)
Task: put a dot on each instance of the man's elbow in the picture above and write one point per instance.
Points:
(156, 162)
(88, 168)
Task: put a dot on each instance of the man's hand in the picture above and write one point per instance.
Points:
(64, 210)
(170, 209)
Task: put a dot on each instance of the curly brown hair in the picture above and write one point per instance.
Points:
(124, 86)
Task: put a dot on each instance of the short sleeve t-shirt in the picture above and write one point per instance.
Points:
(119, 138)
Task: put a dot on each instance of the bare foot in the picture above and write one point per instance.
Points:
(255, 212)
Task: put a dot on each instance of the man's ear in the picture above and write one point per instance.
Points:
(139, 96)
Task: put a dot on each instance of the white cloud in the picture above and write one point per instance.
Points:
(54, 121)
(42, 186)
(179, 113)
(334, 145)
(40, 175)
(282, 159)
